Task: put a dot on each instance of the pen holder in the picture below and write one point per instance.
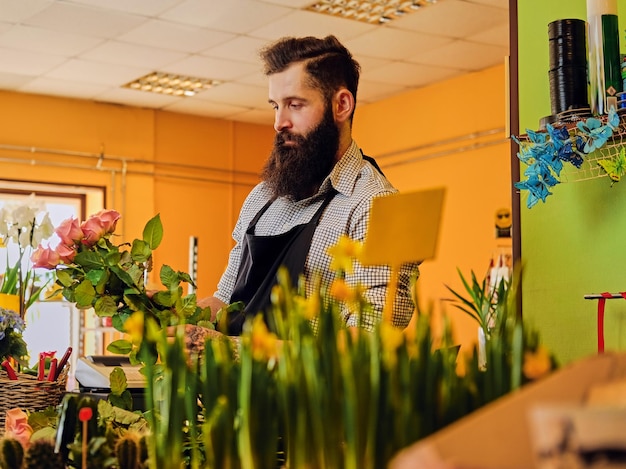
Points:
(29, 394)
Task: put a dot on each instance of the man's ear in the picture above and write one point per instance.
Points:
(343, 105)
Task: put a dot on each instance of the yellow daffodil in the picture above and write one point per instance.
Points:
(264, 343)
(344, 253)
(341, 291)
(134, 327)
(309, 307)
(537, 363)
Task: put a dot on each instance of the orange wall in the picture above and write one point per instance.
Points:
(477, 178)
(193, 171)
(197, 171)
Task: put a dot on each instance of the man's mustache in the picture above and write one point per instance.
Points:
(285, 136)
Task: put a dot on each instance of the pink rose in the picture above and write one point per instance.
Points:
(16, 426)
(66, 253)
(46, 258)
(93, 229)
(109, 219)
(69, 231)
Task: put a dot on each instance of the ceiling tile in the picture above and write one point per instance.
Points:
(79, 48)
(79, 19)
(290, 3)
(138, 7)
(46, 41)
(236, 16)
(13, 81)
(393, 44)
(26, 62)
(241, 48)
(173, 36)
(370, 91)
(463, 55)
(95, 72)
(504, 4)
(254, 116)
(136, 98)
(257, 78)
(411, 75)
(16, 11)
(452, 18)
(122, 53)
(56, 87)
(237, 94)
(307, 23)
(207, 67)
(204, 108)
(498, 36)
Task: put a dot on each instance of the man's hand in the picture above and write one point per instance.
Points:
(195, 336)
(213, 303)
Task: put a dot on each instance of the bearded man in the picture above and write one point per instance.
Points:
(316, 186)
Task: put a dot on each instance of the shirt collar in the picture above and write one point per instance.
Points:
(345, 173)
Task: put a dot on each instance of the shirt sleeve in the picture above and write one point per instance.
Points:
(226, 285)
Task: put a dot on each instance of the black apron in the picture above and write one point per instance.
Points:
(261, 257)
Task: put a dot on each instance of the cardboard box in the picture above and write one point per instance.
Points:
(499, 435)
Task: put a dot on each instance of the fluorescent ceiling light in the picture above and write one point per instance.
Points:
(369, 11)
(171, 84)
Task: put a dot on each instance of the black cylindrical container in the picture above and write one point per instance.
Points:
(568, 65)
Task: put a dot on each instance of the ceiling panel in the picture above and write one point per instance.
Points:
(90, 48)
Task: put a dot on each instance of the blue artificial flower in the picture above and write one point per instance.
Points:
(596, 133)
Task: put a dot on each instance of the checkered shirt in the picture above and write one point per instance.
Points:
(357, 182)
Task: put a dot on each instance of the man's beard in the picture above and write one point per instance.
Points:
(297, 171)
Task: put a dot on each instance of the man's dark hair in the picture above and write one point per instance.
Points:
(328, 63)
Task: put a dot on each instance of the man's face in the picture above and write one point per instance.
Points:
(307, 138)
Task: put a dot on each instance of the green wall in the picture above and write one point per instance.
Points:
(575, 243)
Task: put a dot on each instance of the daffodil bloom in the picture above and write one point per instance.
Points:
(264, 343)
(344, 253)
(537, 363)
(309, 308)
(134, 327)
(341, 291)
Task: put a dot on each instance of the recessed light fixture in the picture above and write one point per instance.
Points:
(369, 11)
(171, 84)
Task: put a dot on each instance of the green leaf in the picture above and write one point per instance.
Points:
(89, 260)
(113, 258)
(120, 347)
(165, 298)
(153, 232)
(105, 306)
(64, 278)
(124, 276)
(119, 320)
(140, 251)
(187, 304)
(169, 278)
(9, 282)
(136, 272)
(95, 275)
(122, 401)
(117, 380)
(84, 294)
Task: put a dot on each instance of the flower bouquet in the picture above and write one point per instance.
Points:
(94, 272)
(12, 345)
(23, 227)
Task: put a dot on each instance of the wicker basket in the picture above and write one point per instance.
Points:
(29, 394)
